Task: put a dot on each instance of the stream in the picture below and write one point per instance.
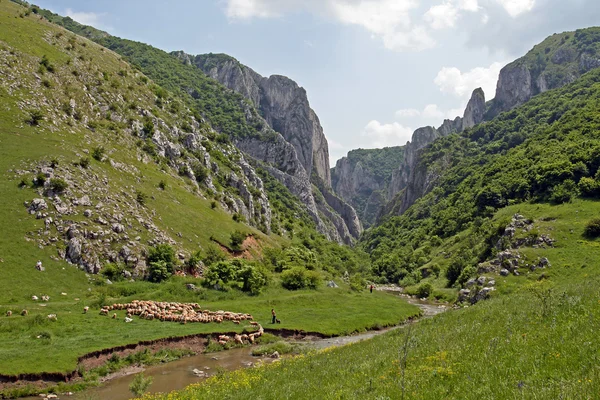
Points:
(178, 374)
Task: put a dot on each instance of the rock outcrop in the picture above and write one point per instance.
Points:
(292, 147)
(281, 102)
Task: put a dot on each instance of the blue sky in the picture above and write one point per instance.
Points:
(374, 70)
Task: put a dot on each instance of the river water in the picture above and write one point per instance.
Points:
(178, 374)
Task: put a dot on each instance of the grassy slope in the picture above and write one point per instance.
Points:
(179, 210)
(539, 342)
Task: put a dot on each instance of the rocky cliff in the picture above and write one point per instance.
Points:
(555, 62)
(296, 152)
(281, 102)
(362, 178)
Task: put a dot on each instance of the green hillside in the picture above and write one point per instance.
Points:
(544, 151)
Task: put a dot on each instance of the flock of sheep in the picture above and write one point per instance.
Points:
(174, 312)
(177, 312)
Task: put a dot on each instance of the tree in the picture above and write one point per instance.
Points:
(236, 240)
(158, 271)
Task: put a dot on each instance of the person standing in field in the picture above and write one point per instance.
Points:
(274, 317)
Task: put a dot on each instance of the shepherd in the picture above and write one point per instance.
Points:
(274, 317)
(371, 288)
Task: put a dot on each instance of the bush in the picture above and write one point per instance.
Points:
(357, 283)
(424, 290)
(563, 192)
(40, 179)
(253, 279)
(162, 252)
(299, 278)
(236, 240)
(466, 274)
(162, 185)
(140, 384)
(454, 270)
(114, 272)
(213, 255)
(98, 153)
(35, 117)
(158, 271)
(141, 197)
(588, 187)
(58, 185)
(592, 228)
(84, 162)
(200, 172)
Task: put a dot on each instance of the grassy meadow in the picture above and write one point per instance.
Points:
(536, 338)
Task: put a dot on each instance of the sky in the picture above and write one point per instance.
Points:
(374, 70)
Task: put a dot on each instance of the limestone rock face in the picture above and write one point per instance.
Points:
(281, 102)
(514, 86)
(420, 138)
(475, 110)
(293, 147)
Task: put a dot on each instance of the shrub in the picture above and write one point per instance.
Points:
(588, 187)
(236, 240)
(213, 204)
(299, 278)
(454, 270)
(213, 255)
(200, 172)
(158, 271)
(141, 197)
(424, 290)
(148, 127)
(140, 384)
(40, 179)
(58, 185)
(253, 279)
(563, 192)
(98, 153)
(294, 279)
(357, 282)
(113, 272)
(35, 117)
(84, 162)
(54, 163)
(162, 252)
(592, 228)
(45, 64)
(162, 185)
(466, 274)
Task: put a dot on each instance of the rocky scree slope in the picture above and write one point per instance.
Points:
(116, 121)
(558, 60)
(285, 108)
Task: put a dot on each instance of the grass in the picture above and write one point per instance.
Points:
(75, 334)
(536, 338)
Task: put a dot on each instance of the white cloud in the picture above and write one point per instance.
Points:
(408, 113)
(383, 135)
(388, 20)
(442, 16)
(85, 18)
(468, 5)
(431, 115)
(517, 7)
(460, 84)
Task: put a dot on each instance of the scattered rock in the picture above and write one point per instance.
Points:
(504, 272)
(332, 284)
(87, 213)
(275, 354)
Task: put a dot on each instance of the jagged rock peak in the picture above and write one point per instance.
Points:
(282, 103)
(475, 109)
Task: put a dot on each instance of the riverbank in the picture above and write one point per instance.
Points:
(353, 314)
